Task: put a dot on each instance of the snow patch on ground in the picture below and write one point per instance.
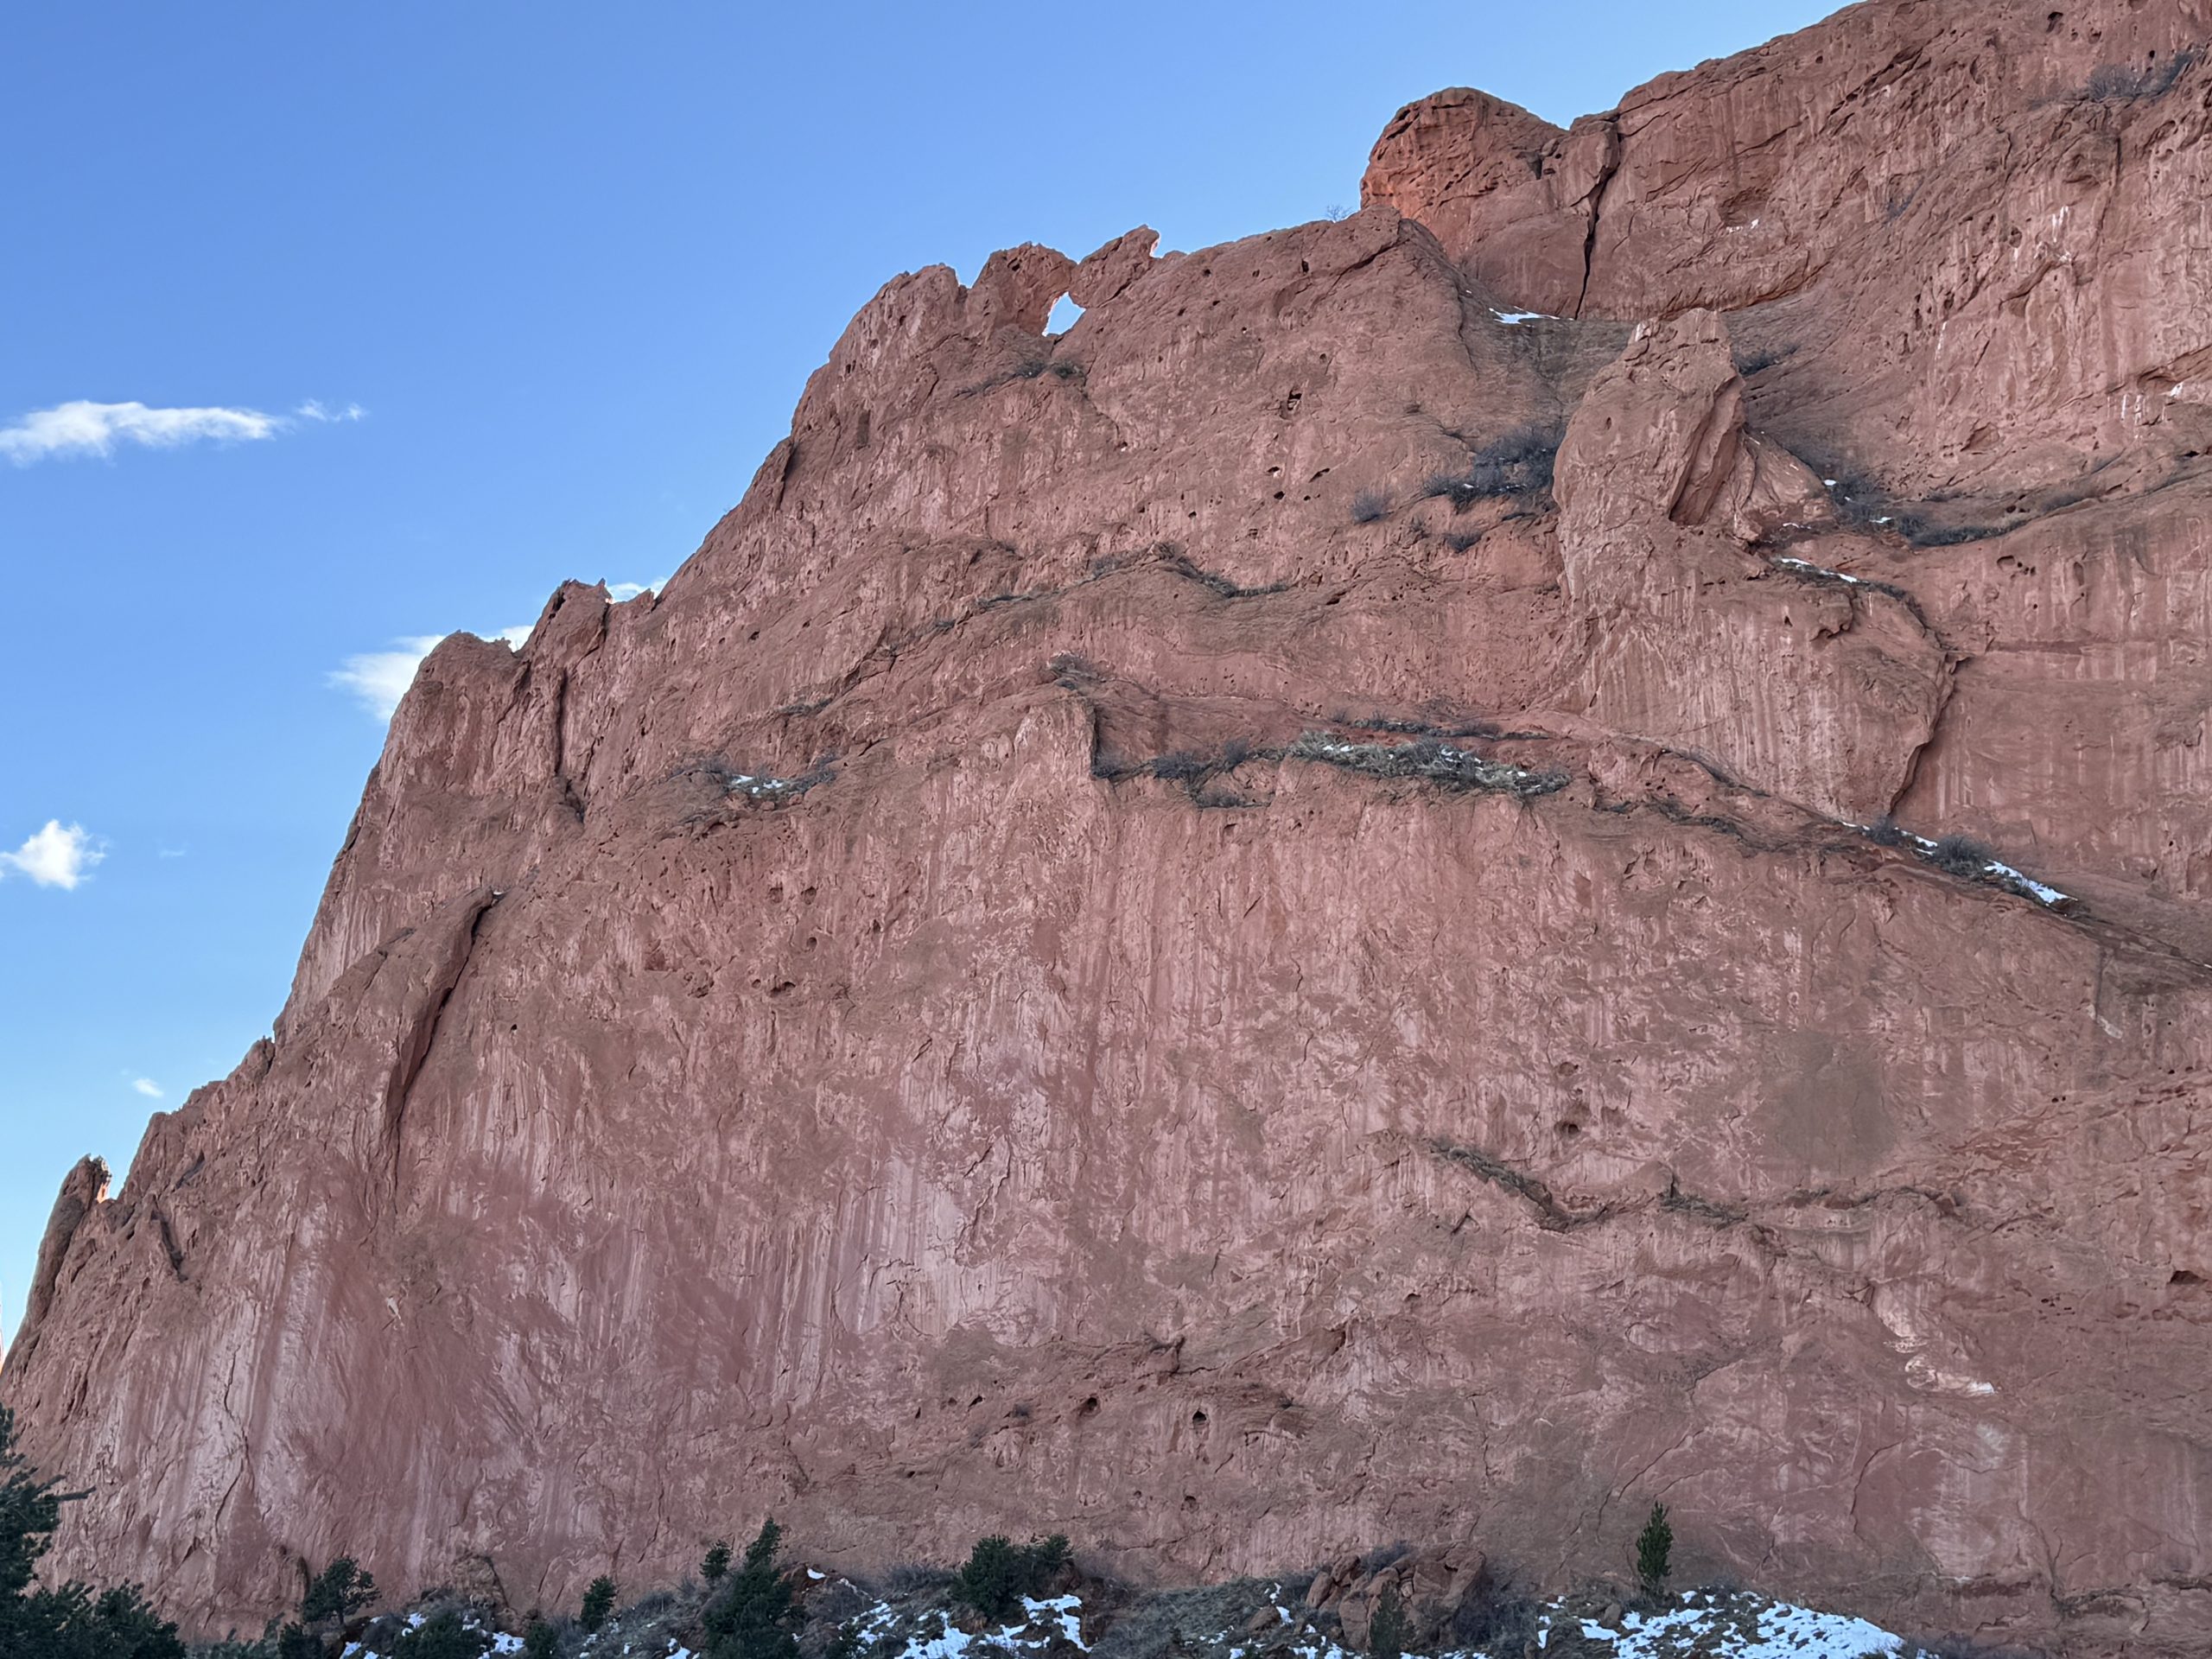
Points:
(1698, 1625)
(1739, 1627)
(1065, 1610)
(1045, 1622)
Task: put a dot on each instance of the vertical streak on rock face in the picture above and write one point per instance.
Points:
(1151, 940)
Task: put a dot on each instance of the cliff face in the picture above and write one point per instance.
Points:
(1151, 940)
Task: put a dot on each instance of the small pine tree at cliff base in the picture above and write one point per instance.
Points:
(73, 1622)
(1654, 1548)
(752, 1616)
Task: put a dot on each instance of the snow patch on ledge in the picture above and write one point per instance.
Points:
(2026, 883)
(1987, 869)
(1806, 567)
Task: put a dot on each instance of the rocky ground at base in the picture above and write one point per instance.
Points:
(916, 1614)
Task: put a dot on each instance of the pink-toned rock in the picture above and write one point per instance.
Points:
(1143, 944)
(1661, 434)
(1512, 196)
(1430, 1586)
(1106, 272)
(1815, 687)
(85, 1186)
(1967, 234)
(1018, 287)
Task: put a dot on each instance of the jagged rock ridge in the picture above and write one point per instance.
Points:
(1156, 939)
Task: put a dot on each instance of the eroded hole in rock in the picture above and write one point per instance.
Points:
(1065, 315)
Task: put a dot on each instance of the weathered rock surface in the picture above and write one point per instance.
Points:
(1151, 941)
(1973, 236)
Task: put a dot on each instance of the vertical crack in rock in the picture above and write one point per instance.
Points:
(169, 1247)
(1947, 693)
(425, 1013)
(1594, 206)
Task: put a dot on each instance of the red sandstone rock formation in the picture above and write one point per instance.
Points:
(969, 1011)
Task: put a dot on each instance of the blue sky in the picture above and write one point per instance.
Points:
(429, 307)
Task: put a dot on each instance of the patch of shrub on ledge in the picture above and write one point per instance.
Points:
(1428, 760)
(1520, 463)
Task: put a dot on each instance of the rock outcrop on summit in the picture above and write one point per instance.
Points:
(1321, 911)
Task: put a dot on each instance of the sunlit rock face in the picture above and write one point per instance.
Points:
(1322, 911)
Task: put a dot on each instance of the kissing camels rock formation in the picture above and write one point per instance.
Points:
(1158, 937)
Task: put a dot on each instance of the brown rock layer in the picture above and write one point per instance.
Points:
(1151, 941)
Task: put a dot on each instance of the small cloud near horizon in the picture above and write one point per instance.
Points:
(59, 855)
(147, 1087)
(83, 428)
(378, 679)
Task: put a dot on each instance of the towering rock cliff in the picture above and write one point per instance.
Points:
(1177, 933)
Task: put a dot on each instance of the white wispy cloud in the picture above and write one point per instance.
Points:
(83, 428)
(380, 678)
(57, 856)
(147, 1087)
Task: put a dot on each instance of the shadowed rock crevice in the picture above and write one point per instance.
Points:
(429, 966)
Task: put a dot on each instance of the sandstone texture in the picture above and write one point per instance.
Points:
(1161, 938)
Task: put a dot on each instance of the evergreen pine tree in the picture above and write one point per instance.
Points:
(73, 1622)
(991, 1578)
(338, 1592)
(1654, 1545)
(442, 1635)
(30, 1512)
(598, 1603)
(1388, 1629)
(715, 1564)
(998, 1573)
(752, 1618)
